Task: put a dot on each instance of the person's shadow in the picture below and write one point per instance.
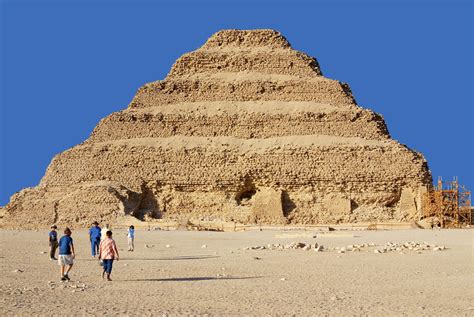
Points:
(175, 258)
(190, 279)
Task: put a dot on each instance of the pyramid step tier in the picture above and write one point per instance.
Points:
(267, 38)
(241, 87)
(285, 62)
(205, 162)
(241, 120)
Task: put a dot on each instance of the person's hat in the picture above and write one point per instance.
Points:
(95, 223)
(54, 227)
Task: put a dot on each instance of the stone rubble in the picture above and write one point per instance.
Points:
(386, 248)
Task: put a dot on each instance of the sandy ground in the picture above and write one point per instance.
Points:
(224, 279)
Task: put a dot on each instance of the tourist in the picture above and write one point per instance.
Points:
(94, 237)
(53, 242)
(108, 253)
(66, 254)
(130, 238)
(104, 231)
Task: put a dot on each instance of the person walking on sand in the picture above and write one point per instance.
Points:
(108, 253)
(131, 238)
(66, 254)
(53, 242)
(94, 237)
(103, 232)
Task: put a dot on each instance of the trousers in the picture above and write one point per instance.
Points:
(52, 249)
(108, 265)
(130, 243)
(95, 246)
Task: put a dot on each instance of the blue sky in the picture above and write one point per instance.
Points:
(67, 64)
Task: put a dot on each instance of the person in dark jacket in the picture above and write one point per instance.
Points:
(53, 243)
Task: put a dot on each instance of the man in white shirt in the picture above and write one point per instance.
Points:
(103, 232)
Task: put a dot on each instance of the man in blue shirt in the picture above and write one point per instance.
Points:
(94, 237)
(66, 254)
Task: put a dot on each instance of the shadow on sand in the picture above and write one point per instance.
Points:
(175, 258)
(190, 279)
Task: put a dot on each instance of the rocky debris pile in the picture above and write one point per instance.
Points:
(290, 246)
(363, 247)
(409, 246)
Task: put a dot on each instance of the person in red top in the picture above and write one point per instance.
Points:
(108, 253)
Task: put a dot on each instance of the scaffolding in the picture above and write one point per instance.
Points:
(449, 203)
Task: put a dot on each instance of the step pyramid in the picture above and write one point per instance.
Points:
(243, 129)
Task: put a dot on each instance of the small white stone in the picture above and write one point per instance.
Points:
(168, 246)
(377, 251)
(283, 279)
(203, 246)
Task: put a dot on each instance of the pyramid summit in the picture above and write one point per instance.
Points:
(243, 129)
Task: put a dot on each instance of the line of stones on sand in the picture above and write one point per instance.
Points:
(77, 286)
(410, 246)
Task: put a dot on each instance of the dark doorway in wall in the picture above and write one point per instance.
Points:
(287, 204)
(245, 194)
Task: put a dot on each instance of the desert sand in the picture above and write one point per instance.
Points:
(212, 273)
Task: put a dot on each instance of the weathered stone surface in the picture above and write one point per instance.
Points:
(267, 206)
(408, 201)
(243, 129)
